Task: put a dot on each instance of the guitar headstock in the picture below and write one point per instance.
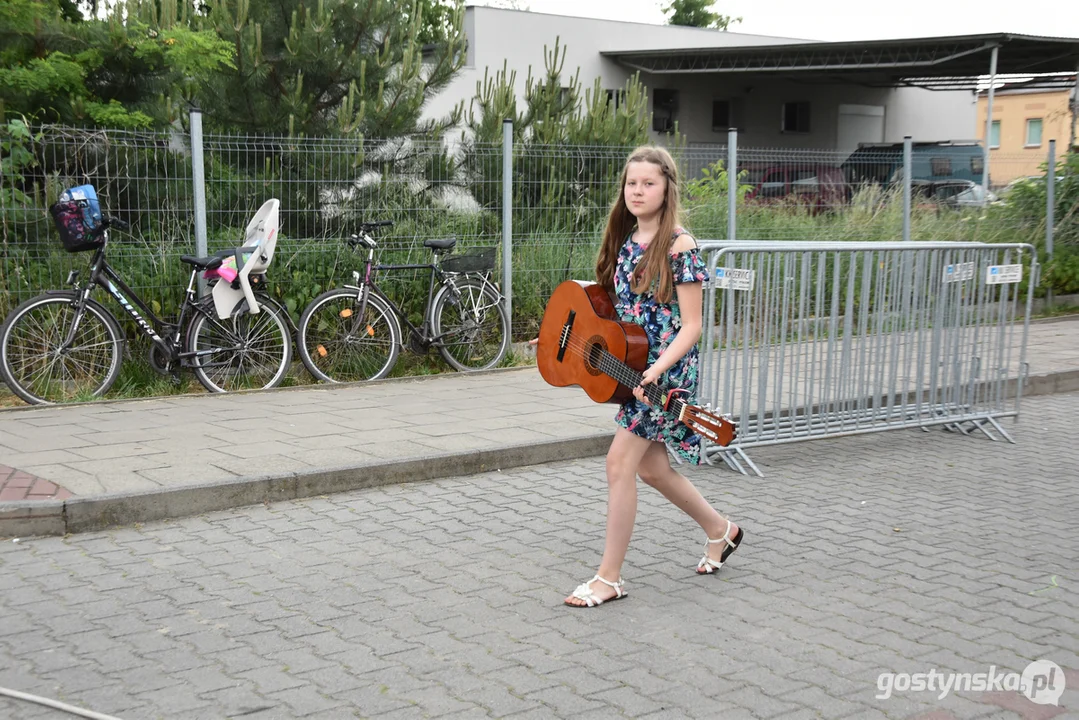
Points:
(708, 425)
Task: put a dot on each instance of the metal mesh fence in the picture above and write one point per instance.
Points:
(327, 187)
(434, 188)
(143, 178)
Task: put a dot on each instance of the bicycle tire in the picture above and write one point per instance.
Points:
(471, 320)
(329, 350)
(260, 365)
(30, 374)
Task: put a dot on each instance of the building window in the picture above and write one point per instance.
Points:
(795, 117)
(1034, 132)
(721, 115)
(664, 109)
(994, 134)
(940, 166)
(977, 165)
(616, 98)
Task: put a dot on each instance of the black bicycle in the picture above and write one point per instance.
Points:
(64, 345)
(354, 333)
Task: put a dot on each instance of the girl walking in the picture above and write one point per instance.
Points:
(654, 271)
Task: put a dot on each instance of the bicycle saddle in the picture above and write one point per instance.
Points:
(206, 263)
(440, 243)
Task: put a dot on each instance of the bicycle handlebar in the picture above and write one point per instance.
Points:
(110, 222)
(364, 238)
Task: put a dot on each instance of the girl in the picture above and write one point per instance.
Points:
(655, 272)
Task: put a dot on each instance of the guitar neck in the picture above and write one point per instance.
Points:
(614, 368)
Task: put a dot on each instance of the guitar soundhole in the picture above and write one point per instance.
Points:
(596, 347)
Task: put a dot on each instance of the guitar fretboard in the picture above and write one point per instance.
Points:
(612, 367)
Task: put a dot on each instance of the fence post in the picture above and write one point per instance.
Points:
(1050, 211)
(198, 181)
(507, 217)
(989, 118)
(908, 168)
(732, 182)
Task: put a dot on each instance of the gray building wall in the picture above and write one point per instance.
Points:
(517, 38)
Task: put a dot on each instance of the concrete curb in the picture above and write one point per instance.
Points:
(85, 514)
(1052, 383)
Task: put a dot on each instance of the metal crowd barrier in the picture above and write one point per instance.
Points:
(805, 340)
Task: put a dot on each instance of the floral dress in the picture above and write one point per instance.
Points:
(661, 322)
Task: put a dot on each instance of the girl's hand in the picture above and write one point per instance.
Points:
(650, 377)
(534, 341)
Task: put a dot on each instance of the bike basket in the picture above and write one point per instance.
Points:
(77, 215)
(478, 260)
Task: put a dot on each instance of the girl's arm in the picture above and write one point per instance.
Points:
(690, 298)
(691, 305)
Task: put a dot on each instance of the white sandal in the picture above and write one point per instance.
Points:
(584, 592)
(707, 565)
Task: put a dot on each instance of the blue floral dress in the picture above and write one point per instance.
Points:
(661, 322)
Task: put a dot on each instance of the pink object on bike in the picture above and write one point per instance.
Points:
(227, 271)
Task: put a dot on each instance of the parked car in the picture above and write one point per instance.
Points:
(882, 163)
(819, 187)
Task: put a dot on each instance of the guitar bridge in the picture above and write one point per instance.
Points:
(563, 341)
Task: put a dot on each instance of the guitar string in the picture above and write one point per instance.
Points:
(618, 370)
(631, 378)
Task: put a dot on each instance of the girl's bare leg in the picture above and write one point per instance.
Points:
(655, 470)
(623, 459)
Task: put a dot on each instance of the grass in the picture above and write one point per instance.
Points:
(1056, 311)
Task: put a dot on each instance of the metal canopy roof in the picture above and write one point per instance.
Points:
(934, 63)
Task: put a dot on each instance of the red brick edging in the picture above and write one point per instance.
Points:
(19, 485)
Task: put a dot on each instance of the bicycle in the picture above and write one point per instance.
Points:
(354, 333)
(63, 345)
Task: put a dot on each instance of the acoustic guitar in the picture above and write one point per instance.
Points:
(582, 342)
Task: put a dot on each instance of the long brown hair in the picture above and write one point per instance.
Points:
(654, 269)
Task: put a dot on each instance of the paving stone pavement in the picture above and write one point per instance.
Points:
(105, 463)
(900, 552)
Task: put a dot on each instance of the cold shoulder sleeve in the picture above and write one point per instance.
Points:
(688, 267)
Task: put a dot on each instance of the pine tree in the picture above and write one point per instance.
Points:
(333, 67)
(570, 145)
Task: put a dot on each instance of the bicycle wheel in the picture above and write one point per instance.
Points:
(240, 353)
(338, 346)
(473, 325)
(33, 364)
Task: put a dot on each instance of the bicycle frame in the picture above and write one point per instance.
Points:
(368, 284)
(102, 274)
(421, 334)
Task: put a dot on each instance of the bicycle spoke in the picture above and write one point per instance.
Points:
(249, 351)
(341, 345)
(472, 327)
(39, 371)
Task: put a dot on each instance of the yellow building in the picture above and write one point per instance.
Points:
(1025, 119)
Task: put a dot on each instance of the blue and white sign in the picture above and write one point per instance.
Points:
(1003, 274)
(958, 272)
(734, 278)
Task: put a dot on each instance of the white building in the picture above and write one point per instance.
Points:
(778, 92)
